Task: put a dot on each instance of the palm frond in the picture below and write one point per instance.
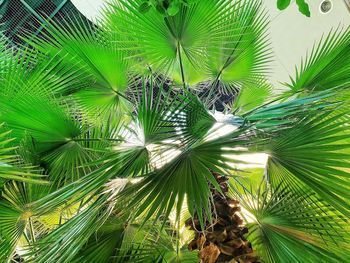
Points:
(203, 41)
(284, 110)
(130, 162)
(25, 71)
(187, 175)
(85, 223)
(16, 216)
(103, 245)
(193, 120)
(94, 222)
(155, 108)
(88, 54)
(285, 226)
(165, 119)
(47, 130)
(242, 54)
(12, 223)
(153, 243)
(44, 127)
(313, 154)
(327, 66)
(252, 96)
(78, 157)
(11, 165)
(41, 117)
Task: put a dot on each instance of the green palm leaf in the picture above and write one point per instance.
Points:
(154, 113)
(103, 245)
(293, 227)
(251, 97)
(93, 56)
(41, 117)
(313, 155)
(16, 216)
(52, 247)
(187, 175)
(11, 165)
(327, 66)
(39, 123)
(131, 117)
(13, 220)
(153, 243)
(125, 163)
(242, 54)
(47, 131)
(203, 41)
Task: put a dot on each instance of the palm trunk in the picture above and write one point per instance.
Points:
(223, 240)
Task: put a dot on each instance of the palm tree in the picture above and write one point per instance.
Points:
(149, 136)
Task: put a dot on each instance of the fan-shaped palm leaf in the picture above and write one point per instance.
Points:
(16, 216)
(293, 227)
(93, 55)
(11, 165)
(327, 66)
(207, 40)
(313, 154)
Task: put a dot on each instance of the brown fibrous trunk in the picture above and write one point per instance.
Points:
(223, 239)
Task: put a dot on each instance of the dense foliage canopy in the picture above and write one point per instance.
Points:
(111, 133)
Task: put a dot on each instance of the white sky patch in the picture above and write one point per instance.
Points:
(224, 125)
(162, 154)
(92, 9)
(133, 136)
(219, 130)
(249, 160)
(115, 186)
(248, 216)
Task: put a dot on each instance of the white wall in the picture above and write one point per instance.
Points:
(292, 33)
(89, 8)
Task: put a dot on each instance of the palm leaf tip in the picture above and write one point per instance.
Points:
(327, 65)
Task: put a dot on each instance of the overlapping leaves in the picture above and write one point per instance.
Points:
(207, 40)
(327, 66)
(314, 155)
(285, 226)
(53, 96)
